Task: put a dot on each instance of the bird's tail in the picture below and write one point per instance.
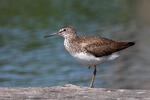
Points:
(130, 44)
(123, 45)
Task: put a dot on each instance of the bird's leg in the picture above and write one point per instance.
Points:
(93, 77)
(89, 67)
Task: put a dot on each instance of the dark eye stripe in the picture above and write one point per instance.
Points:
(62, 30)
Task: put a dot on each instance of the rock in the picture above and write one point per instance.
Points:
(71, 92)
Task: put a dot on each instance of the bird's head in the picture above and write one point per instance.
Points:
(66, 32)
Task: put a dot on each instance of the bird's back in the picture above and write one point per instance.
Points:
(99, 46)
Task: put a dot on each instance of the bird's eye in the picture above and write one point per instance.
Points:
(64, 30)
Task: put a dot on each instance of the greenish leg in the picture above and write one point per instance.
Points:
(93, 77)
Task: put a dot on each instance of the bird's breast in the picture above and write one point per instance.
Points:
(67, 45)
(72, 47)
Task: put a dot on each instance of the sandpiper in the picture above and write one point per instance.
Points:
(90, 50)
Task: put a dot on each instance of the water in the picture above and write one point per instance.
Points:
(27, 59)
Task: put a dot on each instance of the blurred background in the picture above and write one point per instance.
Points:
(27, 59)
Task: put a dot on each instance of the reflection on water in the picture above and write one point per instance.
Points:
(27, 59)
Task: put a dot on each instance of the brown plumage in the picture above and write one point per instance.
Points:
(97, 46)
(104, 47)
(90, 50)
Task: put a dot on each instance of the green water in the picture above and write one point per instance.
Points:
(27, 59)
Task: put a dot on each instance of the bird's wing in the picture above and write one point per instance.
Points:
(103, 47)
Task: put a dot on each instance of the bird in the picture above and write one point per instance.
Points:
(90, 51)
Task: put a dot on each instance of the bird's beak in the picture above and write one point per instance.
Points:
(49, 35)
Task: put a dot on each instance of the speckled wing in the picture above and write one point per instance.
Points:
(103, 47)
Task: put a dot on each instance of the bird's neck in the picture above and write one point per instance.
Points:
(70, 42)
(71, 37)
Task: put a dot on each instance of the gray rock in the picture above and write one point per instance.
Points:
(71, 92)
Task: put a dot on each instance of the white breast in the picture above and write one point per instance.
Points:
(90, 60)
(66, 44)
